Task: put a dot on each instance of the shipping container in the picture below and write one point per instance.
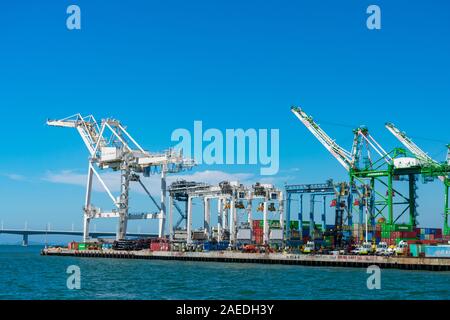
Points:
(106, 246)
(276, 234)
(73, 245)
(244, 234)
(442, 251)
(294, 225)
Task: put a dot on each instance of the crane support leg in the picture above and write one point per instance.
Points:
(300, 217)
(123, 205)
(311, 216)
(390, 200)
(412, 200)
(250, 217)
(162, 218)
(219, 218)
(446, 209)
(207, 217)
(189, 220)
(87, 203)
(232, 221)
(171, 231)
(288, 215)
(324, 214)
(266, 223)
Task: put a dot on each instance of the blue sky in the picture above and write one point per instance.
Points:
(160, 65)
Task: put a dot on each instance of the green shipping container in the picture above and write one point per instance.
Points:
(396, 227)
(402, 227)
(416, 249)
(82, 246)
(271, 223)
(294, 225)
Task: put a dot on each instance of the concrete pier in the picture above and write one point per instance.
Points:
(349, 261)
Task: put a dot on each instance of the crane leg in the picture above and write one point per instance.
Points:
(162, 219)
(87, 203)
(123, 205)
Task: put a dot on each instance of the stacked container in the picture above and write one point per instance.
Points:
(429, 233)
(159, 245)
(73, 245)
(258, 231)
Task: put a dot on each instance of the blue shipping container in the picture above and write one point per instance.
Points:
(437, 251)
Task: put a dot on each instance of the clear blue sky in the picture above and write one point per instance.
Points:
(160, 65)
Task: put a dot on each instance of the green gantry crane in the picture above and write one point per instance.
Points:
(429, 168)
(371, 171)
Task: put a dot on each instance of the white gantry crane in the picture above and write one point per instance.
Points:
(230, 196)
(112, 147)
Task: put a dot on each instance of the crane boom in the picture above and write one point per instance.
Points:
(343, 156)
(87, 127)
(410, 145)
(421, 155)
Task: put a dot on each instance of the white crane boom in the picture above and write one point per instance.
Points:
(410, 145)
(343, 156)
(87, 127)
(421, 155)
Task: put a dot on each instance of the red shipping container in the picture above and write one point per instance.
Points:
(408, 235)
(73, 246)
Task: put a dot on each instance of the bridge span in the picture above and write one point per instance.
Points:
(25, 233)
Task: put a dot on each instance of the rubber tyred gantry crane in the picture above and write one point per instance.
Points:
(112, 147)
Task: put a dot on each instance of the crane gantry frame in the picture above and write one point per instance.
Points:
(429, 167)
(372, 171)
(229, 194)
(111, 147)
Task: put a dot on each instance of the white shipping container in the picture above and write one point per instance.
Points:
(244, 234)
(276, 234)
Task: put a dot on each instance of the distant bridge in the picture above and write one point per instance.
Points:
(25, 233)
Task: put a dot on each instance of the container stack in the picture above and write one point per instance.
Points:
(159, 245)
(73, 245)
(393, 234)
(216, 246)
(258, 231)
(429, 233)
(378, 233)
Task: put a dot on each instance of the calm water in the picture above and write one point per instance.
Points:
(25, 274)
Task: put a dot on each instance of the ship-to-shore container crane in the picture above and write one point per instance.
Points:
(349, 160)
(376, 165)
(428, 167)
(110, 146)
